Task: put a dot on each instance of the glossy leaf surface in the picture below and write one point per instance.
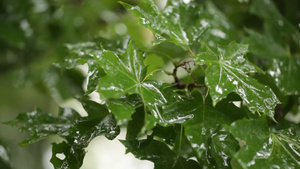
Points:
(193, 100)
(284, 65)
(260, 148)
(124, 107)
(136, 124)
(5, 161)
(268, 11)
(77, 130)
(221, 31)
(98, 122)
(66, 156)
(203, 127)
(85, 53)
(264, 46)
(42, 124)
(159, 153)
(284, 72)
(227, 72)
(211, 143)
(175, 21)
(127, 75)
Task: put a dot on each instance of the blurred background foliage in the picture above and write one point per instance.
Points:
(33, 34)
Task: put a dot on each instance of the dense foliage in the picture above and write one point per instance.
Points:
(209, 93)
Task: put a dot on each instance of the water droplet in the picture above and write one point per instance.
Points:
(78, 21)
(58, 13)
(218, 33)
(145, 21)
(243, 1)
(60, 156)
(186, 1)
(3, 153)
(219, 90)
(280, 22)
(40, 6)
(120, 28)
(235, 82)
(25, 26)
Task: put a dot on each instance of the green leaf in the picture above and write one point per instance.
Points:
(78, 131)
(124, 107)
(5, 161)
(182, 23)
(98, 122)
(135, 125)
(126, 75)
(227, 72)
(207, 137)
(64, 86)
(268, 11)
(85, 53)
(260, 148)
(167, 134)
(203, 129)
(284, 73)
(122, 77)
(95, 72)
(264, 46)
(222, 147)
(221, 31)
(42, 124)
(182, 108)
(159, 153)
(65, 156)
(284, 67)
(68, 124)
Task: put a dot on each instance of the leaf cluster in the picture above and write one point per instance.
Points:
(227, 111)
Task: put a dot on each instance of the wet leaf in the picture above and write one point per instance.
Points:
(68, 124)
(42, 124)
(268, 11)
(227, 72)
(5, 161)
(284, 67)
(261, 148)
(221, 31)
(85, 53)
(264, 46)
(284, 72)
(124, 107)
(167, 134)
(211, 143)
(136, 124)
(98, 122)
(203, 126)
(95, 72)
(65, 156)
(182, 109)
(159, 153)
(79, 54)
(181, 22)
(127, 75)
(64, 86)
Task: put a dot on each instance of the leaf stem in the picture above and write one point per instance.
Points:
(180, 141)
(258, 113)
(192, 52)
(207, 92)
(156, 70)
(195, 57)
